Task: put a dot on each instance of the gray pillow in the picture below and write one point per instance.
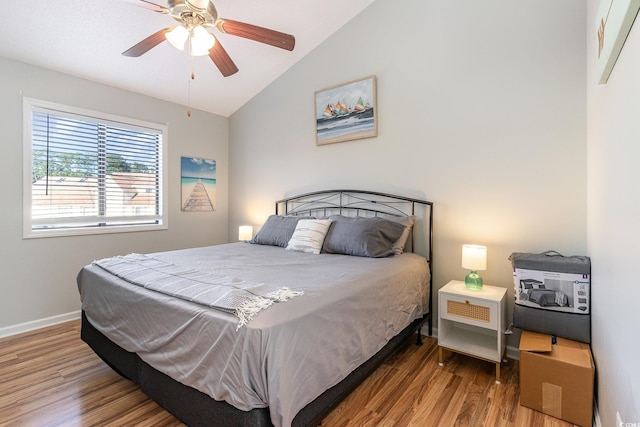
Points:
(367, 237)
(277, 230)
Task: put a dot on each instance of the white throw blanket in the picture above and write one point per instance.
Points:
(236, 296)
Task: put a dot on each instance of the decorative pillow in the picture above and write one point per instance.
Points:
(531, 284)
(309, 235)
(407, 221)
(277, 230)
(367, 237)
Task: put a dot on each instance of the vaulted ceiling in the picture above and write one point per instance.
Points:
(85, 38)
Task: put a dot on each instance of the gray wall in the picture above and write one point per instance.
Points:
(38, 275)
(481, 110)
(613, 225)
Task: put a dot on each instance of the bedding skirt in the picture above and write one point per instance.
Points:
(197, 409)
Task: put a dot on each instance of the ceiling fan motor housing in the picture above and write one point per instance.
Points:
(198, 12)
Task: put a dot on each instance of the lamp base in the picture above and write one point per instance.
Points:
(473, 281)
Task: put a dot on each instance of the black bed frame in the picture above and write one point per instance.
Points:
(195, 408)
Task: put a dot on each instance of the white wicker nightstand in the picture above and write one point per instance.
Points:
(472, 322)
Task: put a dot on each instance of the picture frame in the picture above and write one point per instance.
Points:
(615, 19)
(197, 184)
(347, 111)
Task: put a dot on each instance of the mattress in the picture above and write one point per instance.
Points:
(289, 353)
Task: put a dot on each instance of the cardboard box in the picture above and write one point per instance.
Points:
(557, 379)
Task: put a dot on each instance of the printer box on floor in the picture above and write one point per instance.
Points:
(557, 379)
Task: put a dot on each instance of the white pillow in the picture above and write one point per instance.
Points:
(309, 235)
(408, 222)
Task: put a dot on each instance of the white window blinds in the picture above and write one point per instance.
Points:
(89, 173)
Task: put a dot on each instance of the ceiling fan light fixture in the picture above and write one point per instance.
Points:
(178, 37)
(201, 41)
(195, 18)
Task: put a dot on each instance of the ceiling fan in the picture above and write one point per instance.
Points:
(194, 18)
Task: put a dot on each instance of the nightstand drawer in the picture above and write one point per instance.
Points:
(470, 311)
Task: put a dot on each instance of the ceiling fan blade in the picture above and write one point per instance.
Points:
(259, 34)
(154, 7)
(221, 58)
(147, 44)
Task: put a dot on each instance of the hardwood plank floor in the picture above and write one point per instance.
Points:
(50, 377)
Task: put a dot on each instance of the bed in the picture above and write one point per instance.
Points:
(291, 362)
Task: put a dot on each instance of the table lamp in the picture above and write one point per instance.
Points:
(474, 258)
(245, 232)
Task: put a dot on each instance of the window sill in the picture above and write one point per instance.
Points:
(68, 232)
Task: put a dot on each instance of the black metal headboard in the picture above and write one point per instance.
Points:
(370, 204)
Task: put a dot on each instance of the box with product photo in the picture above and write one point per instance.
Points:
(553, 294)
(551, 290)
(557, 379)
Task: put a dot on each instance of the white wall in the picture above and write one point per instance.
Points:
(481, 110)
(613, 225)
(38, 275)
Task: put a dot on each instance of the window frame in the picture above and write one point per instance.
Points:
(31, 104)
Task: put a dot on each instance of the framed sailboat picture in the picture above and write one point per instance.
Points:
(346, 112)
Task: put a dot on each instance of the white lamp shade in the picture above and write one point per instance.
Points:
(201, 41)
(177, 37)
(474, 257)
(245, 232)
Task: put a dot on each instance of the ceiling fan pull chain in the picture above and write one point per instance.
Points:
(189, 100)
(193, 76)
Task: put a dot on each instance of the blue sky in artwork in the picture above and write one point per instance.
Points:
(194, 167)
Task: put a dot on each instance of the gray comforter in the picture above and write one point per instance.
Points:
(289, 353)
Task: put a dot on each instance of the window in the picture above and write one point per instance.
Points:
(88, 172)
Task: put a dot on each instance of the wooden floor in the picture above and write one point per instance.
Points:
(50, 377)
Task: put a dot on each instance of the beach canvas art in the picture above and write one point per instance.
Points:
(198, 179)
(346, 112)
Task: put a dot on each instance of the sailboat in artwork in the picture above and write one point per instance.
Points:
(328, 112)
(360, 106)
(340, 110)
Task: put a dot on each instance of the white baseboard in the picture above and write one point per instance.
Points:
(596, 414)
(37, 324)
(513, 352)
(434, 331)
